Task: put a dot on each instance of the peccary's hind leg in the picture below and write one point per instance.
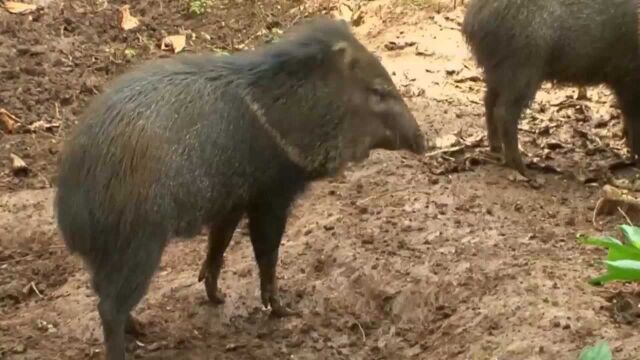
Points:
(516, 93)
(113, 324)
(220, 235)
(267, 222)
(628, 94)
(493, 131)
(121, 280)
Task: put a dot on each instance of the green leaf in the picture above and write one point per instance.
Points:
(619, 270)
(627, 269)
(617, 250)
(602, 279)
(631, 234)
(603, 241)
(623, 260)
(598, 352)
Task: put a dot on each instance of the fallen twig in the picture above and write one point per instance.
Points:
(625, 216)
(446, 150)
(33, 286)
(364, 337)
(610, 194)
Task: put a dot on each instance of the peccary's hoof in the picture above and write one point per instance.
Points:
(517, 176)
(495, 149)
(280, 311)
(215, 297)
(134, 327)
(493, 156)
(515, 162)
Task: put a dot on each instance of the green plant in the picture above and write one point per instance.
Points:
(623, 259)
(600, 351)
(199, 7)
(129, 53)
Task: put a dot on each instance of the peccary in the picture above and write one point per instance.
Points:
(201, 140)
(521, 43)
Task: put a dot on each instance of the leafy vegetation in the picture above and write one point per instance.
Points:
(622, 264)
(199, 7)
(600, 351)
(623, 258)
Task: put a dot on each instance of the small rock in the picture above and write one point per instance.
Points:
(31, 50)
(11, 291)
(232, 347)
(155, 346)
(447, 250)
(20, 349)
(367, 240)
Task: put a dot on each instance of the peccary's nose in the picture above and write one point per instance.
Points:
(419, 144)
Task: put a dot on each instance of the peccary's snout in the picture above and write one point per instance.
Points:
(401, 129)
(410, 136)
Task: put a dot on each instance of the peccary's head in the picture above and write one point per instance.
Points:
(378, 117)
(328, 100)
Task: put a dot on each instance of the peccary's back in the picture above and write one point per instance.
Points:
(573, 40)
(164, 148)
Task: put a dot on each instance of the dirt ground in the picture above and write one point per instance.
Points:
(446, 256)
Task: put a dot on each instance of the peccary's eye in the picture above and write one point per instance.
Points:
(379, 93)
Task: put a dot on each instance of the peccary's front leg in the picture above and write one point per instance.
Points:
(267, 222)
(220, 235)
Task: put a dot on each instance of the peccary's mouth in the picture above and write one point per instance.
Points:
(354, 155)
(414, 143)
(389, 141)
(362, 153)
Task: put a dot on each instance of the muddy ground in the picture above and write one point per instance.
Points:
(446, 256)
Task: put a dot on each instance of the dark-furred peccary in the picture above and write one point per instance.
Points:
(521, 43)
(202, 140)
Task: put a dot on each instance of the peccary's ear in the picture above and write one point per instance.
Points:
(344, 24)
(344, 54)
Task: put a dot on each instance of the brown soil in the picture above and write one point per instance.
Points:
(446, 256)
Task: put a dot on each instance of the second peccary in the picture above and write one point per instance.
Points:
(521, 43)
(201, 140)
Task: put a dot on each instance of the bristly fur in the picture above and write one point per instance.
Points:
(200, 140)
(150, 144)
(519, 44)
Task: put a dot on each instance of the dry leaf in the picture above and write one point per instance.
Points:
(175, 42)
(8, 122)
(349, 12)
(393, 45)
(43, 126)
(446, 141)
(19, 8)
(18, 166)
(474, 140)
(344, 12)
(357, 18)
(444, 23)
(127, 21)
(453, 67)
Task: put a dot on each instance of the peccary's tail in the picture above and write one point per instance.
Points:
(472, 21)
